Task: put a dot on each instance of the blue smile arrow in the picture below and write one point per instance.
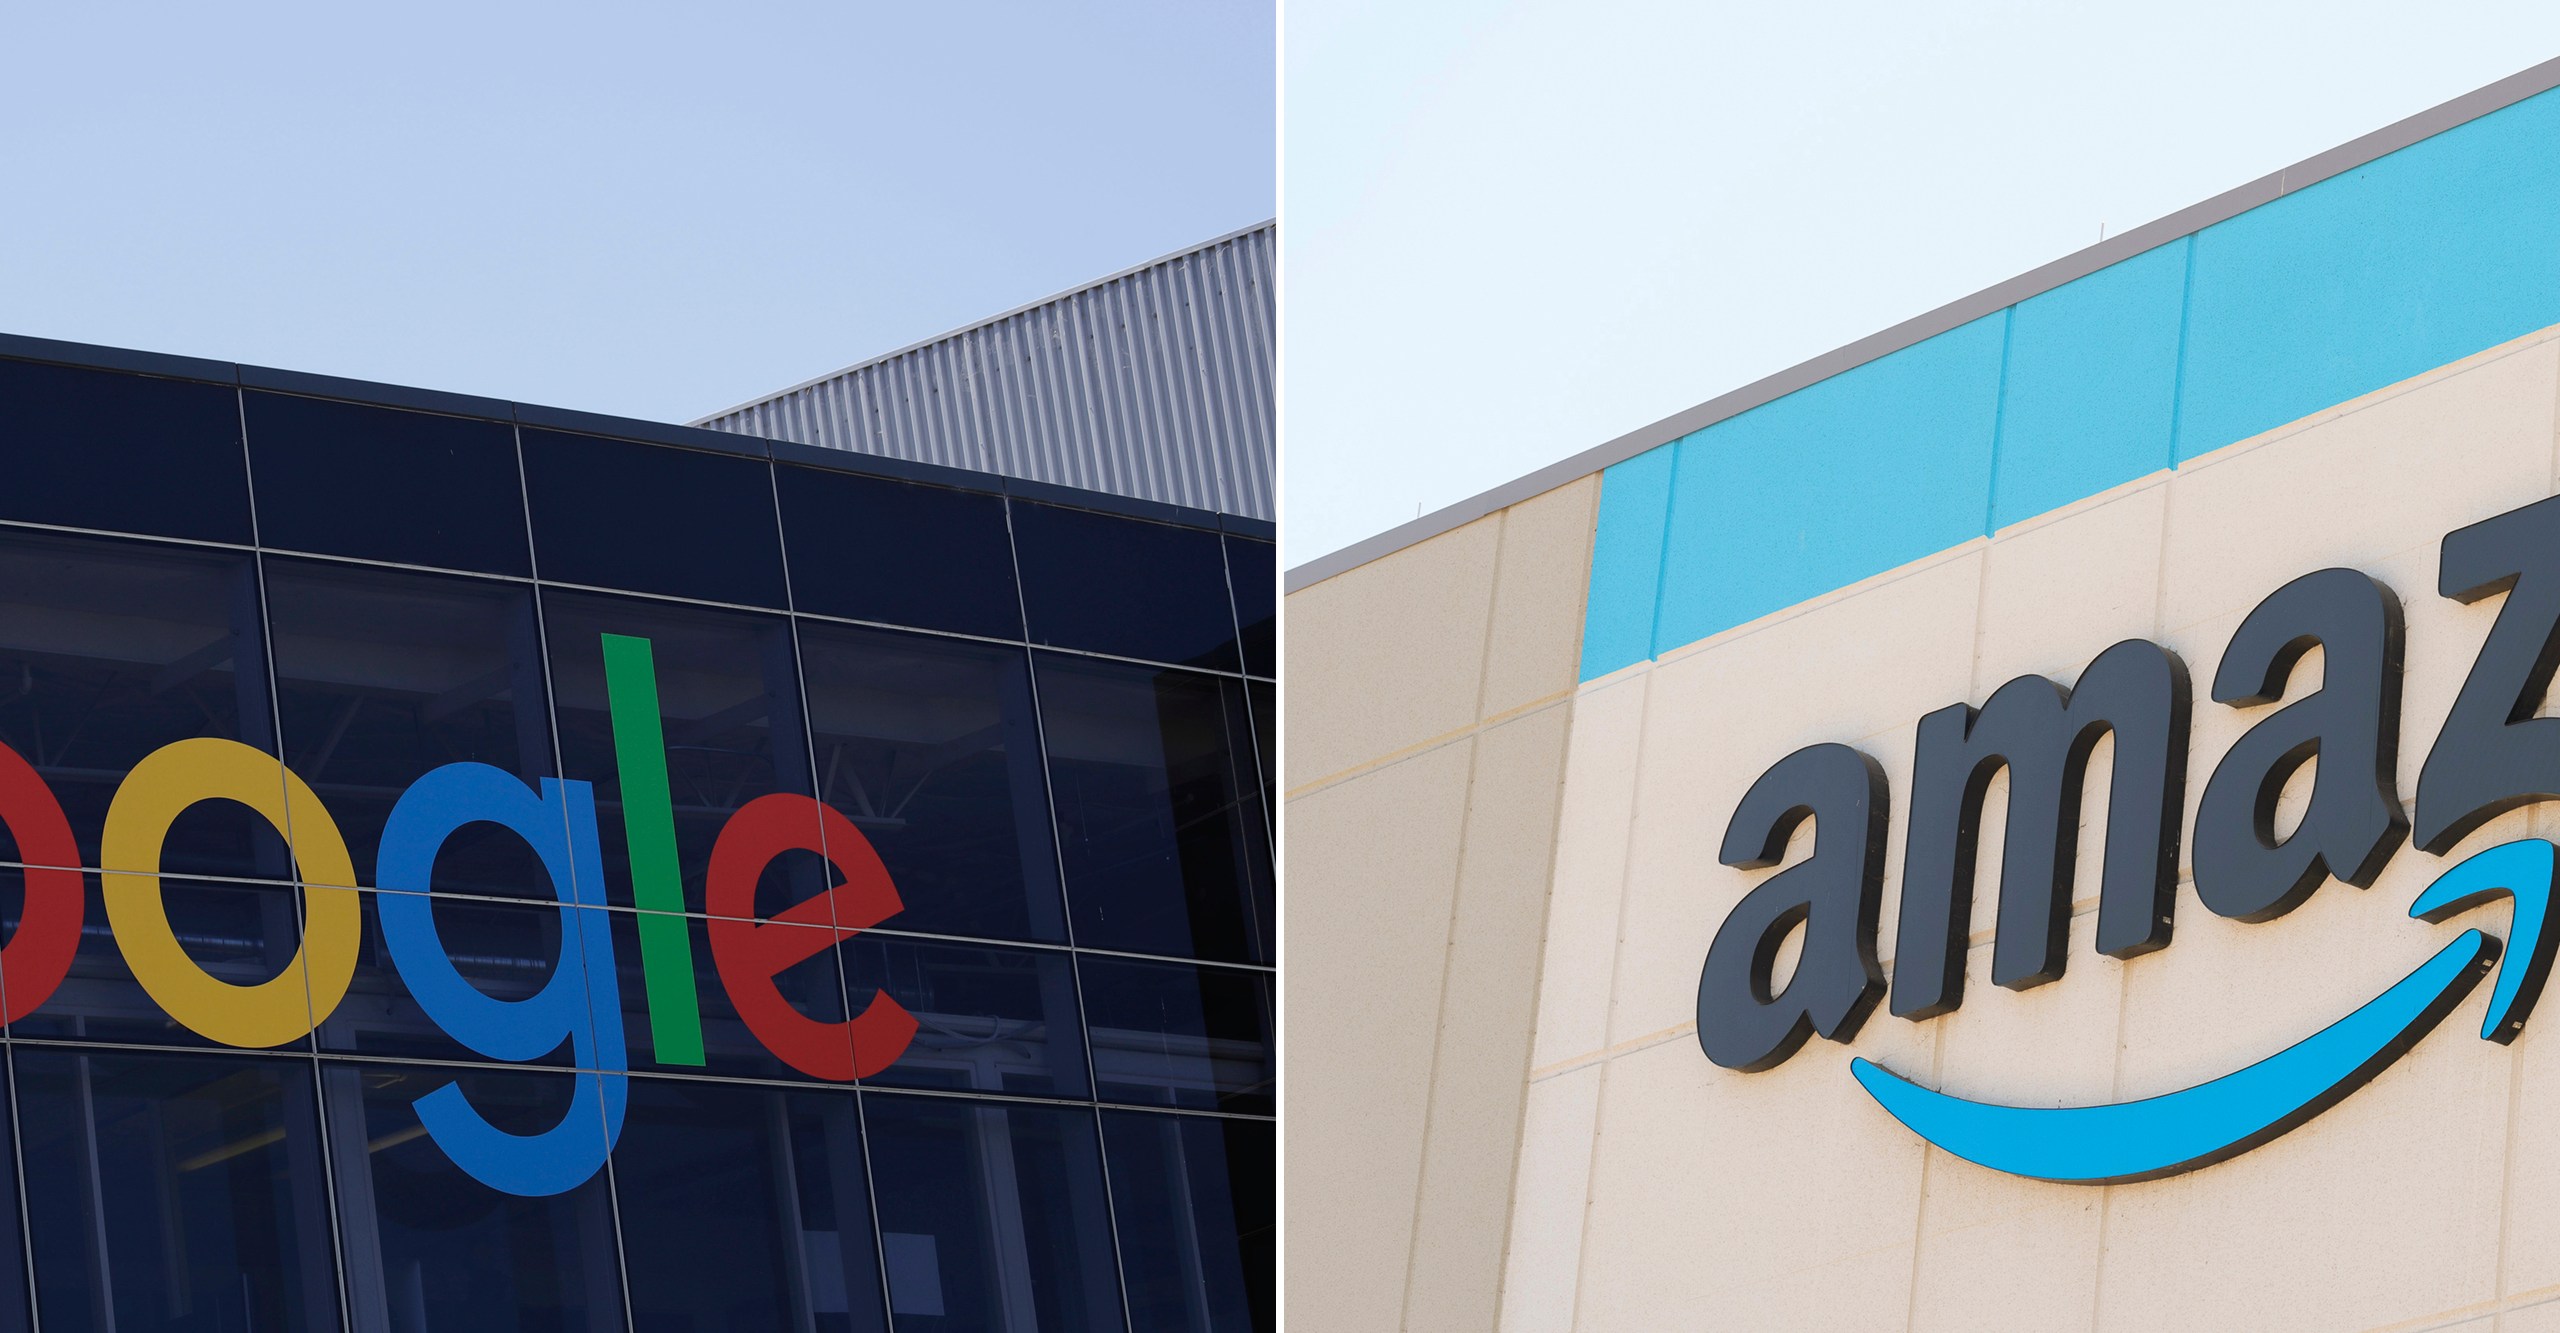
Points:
(2180, 1131)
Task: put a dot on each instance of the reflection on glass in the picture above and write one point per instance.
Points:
(1253, 576)
(383, 675)
(614, 514)
(240, 934)
(407, 487)
(992, 1216)
(811, 991)
(929, 746)
(110, 650)
(430, 1250)
(506, 951)
(1164, 846)
(1176, 1035)
(1197, 1204)
(866, 548)
(728, 713)
(988, 1019)
(175, 1192)
(126, 453)
(745, 1208)
(1115, 585)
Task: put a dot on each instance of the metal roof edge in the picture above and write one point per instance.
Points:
(2230, 203)
(1267, 224)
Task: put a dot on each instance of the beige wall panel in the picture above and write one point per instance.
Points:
(1774, 1200)
(1366, 961)
(1870, 662)
(2530, 1249)
(1590, 871)
(1997, 1252)
(2057, 592)
(2397, 472)
(2543, 1317)
(1544, 1258)
(1388, 655)
(2264, 1240)
(1535, 649)
(1486, 1013)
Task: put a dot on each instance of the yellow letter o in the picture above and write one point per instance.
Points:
(166, 782)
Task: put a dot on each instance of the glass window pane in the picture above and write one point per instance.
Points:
(383, 675)
(728, 722)
(504, 950)
(110, 650)
(707, 1014)
(992, 1216)
(429, 1249)
(745, 1208)
(930, 747)
(349, 479)
(1196, 1198)
(1253, 575)
(244, 934)
(1164, 846)
(614, 514)
(175, 1192)
(1175, 1035)
(1265, 713)
(987, 1019)
(96, 449)
(871, 549)
(1121, 586)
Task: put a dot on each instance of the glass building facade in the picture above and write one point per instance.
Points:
(866, 921)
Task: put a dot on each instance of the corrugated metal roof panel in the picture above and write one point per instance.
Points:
(1154, 383)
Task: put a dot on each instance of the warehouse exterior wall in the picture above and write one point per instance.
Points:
(1428, 717)
(2336, 375)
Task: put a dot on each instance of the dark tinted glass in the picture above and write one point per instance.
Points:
(1117, 585)
(175, 1192)
(430, 1249)
(346, 479)
(384, 675)
(1162, 835)
(727, 724)
(870, 549)
(799, 1009)
(745, 1208)
(507, 951)
(95, 449)
(1175, 1035)
(241, 934)
(992, 1216)
(614, 514)
(14, 1310)
(1197, 1207)
(110, 650)
(1253, 575)
(1264, 712)
(988, 1019)
(929, 746)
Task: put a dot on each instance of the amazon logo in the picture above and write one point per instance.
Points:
(2491, 755)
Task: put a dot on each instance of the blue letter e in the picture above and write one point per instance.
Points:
(580, 1003)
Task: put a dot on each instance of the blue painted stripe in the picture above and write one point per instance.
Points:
(1626, 563)
(2419, 258)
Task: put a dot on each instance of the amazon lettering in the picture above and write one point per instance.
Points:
(2491, 754)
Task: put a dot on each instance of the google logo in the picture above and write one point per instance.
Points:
(578, 1005)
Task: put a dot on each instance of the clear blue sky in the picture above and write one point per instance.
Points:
(1517, 230)
(655, 210)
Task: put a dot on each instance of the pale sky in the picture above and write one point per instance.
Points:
(643, 208)
(1515, 231)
